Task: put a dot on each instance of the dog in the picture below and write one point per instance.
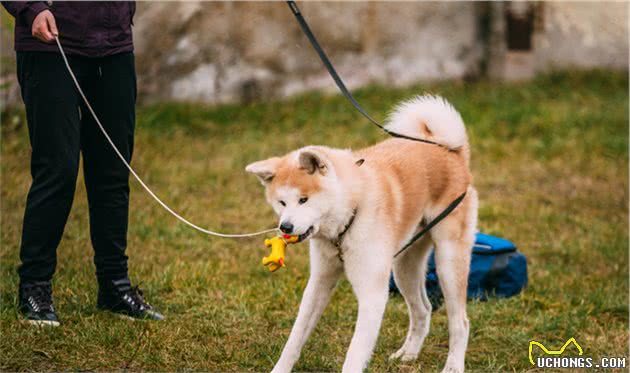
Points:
(358, 208)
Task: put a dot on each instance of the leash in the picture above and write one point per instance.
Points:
(340, 84)
(155, 197)
(433, 222)
(342, 87)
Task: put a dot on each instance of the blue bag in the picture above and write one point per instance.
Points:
(497, 269)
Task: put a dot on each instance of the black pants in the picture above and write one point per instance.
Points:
(60, 128)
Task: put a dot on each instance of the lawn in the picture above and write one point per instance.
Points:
(550, 159)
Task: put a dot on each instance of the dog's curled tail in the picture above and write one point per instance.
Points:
(430, 118)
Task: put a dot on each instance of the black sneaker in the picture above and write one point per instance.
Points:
(36, 304)
(120, 297)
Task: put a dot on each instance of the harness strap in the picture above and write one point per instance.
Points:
(337, 242)
(333, 73)
(433, 222)
(452, 206)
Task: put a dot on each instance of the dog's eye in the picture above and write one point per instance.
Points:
(282, 203)
(303, 200)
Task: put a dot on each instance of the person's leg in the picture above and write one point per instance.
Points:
(112, 93)
(53, 125)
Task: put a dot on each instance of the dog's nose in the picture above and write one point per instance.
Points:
(286, 227)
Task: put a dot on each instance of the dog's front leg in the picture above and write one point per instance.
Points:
(368, 272)
(325, 271)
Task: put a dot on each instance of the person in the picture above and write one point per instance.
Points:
(97, 38)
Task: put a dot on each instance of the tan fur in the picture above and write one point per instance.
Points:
(290, 174)
(424, 129)
(429, 176)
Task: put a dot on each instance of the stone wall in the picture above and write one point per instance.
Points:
(564, 35)
(244, 51)
(585, 35)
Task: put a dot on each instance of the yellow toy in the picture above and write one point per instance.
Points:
(275, 260)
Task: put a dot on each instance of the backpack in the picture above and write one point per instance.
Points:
(497, 269)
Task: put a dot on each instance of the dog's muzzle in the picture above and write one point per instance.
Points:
(306, 234)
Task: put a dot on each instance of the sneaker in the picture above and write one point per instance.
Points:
(120, 297)
(36, 304)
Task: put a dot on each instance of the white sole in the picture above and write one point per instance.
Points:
(125, 317)
(42, 323)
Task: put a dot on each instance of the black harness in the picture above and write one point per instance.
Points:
(342, 87)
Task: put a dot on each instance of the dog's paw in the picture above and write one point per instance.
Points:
(279, 370)
(452, 369)
(453, 365)
(403, 355)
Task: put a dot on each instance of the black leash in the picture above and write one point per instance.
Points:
(342, 87)
(333, 73)
(433, 222)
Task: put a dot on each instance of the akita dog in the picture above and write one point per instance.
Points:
(360, 207)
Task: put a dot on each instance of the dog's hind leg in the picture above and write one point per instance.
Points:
(453, 238)
(325, 272)
(368, 272)
(409, 272)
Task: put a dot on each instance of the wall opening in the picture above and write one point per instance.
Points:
(520, 28)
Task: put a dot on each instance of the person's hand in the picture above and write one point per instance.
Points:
(44, 27)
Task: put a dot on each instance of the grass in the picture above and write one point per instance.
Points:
(550, 159)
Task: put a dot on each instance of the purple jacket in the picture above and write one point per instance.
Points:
(89, 29)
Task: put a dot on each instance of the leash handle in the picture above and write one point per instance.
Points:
(155, 197)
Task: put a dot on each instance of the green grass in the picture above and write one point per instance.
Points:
(550, 160)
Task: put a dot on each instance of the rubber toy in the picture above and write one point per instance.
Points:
(278, 244)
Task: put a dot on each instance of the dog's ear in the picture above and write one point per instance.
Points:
(312, 162)
(264, 170)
